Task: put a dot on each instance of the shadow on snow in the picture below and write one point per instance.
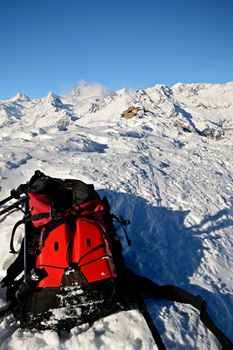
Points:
(166, 251)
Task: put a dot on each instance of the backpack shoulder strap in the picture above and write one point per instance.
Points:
(155, 334)
(180, 295)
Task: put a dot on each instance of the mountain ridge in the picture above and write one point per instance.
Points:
(192, 106)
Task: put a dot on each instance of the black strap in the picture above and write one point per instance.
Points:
(12, 248)
(40, 216)
(123, 223)
(99, 246)
(157, 338)
(70, 228)
(180, 295)
(208, 322)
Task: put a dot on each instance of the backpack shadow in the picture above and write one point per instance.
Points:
(165, 250)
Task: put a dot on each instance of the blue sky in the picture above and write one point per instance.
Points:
(51, 45)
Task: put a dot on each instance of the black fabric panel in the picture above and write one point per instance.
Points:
(97, 300)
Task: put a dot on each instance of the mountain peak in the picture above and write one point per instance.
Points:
(20, 97)
(52, 99)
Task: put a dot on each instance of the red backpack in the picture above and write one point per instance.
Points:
(76, 236)
(74, 239)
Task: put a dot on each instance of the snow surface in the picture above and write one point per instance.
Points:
(168, 170)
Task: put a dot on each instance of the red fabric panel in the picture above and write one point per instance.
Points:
(97, 264)
(53, 256)
(39, 204)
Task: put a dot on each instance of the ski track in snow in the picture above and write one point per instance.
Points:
(159, 171)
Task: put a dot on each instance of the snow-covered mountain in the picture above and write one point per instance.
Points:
(168, 169)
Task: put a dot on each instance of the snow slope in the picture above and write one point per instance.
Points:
(168, 169)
